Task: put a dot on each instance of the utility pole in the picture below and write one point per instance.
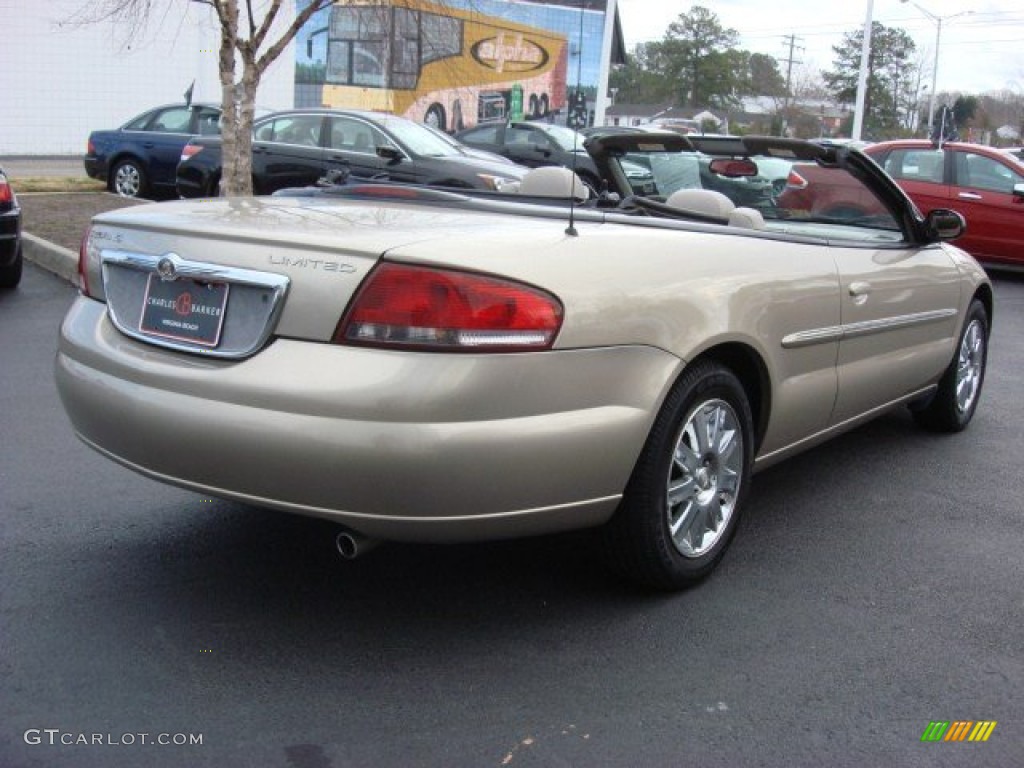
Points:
(790, 61)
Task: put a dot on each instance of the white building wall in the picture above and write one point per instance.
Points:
(60, 80)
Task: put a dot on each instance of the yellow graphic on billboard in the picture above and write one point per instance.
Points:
(447, 67)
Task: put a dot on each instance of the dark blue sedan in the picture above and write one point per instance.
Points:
(139, 158)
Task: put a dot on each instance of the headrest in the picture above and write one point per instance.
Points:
(750, 218)
(705, 201)
(553, 181)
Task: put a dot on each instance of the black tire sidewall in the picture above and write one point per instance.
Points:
(637, 540)
(941, 414)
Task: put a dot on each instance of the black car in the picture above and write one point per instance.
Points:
(534, 144)
(10, 235)
(295, 148)
(139, 158)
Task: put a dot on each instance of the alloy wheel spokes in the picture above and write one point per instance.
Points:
(704, 477)
(970, 360)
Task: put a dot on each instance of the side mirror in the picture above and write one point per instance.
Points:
(1018, 190)
(945, 224)
(391, 154)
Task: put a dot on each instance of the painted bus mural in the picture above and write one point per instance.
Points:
(448, 63)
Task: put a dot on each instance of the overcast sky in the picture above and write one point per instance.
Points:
(980, 51)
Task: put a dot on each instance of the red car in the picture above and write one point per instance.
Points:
(984, 184)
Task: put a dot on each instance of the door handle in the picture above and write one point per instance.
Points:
(859, 292)
(859, 289)
(969, 196)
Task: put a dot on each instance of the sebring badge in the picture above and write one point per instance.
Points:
(165, 268)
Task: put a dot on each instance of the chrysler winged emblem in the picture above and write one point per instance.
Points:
(165, 268)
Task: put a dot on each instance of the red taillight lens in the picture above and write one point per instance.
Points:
(90, 148)
(447, 310)
(795, 180)
(188, 151)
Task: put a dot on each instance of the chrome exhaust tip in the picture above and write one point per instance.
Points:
(351, 544)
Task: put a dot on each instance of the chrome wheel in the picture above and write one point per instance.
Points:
(704, 477)
(970, 364)
(685, 497)
(128, 180)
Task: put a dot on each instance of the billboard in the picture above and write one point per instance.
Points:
(452, 63)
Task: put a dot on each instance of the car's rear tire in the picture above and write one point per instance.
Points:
(10, 275)
(683, 501)
(954, 403)
(128, 179)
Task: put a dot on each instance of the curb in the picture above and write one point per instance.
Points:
(51, 257)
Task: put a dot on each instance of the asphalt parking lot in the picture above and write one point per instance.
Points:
(874, 588)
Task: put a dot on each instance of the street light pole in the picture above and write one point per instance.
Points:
(862, 78)
(935, 66)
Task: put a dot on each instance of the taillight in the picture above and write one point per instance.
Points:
(447, 310)
(6, 195)
(83, 269)
(795, 180)
(188, 151)
(90, 278)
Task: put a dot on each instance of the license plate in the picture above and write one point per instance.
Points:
(184, 310)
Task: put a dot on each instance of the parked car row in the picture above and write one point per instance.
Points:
(141, 157)
(295, 148)
(176, 150)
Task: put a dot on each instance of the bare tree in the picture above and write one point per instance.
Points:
(245, 38)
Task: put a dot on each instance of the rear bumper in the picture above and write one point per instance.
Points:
(10, 231)
(94, 168)
(192, 181)
(396, 445)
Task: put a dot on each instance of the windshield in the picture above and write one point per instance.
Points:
(803, 194)
(565, 138)
(417, 139)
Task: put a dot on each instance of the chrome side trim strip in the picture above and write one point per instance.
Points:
(865, 328)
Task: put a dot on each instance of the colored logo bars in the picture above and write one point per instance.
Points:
(958, 730)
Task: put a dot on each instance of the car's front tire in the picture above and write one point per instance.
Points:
(683, 501)
(955, 401)
(128, 179)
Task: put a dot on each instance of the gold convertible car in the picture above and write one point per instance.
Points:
(420, 364)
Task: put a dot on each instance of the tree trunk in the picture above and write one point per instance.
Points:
(231, 183)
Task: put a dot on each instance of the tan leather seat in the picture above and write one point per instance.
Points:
(553, 181)
(749, 218)
(705, 202)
